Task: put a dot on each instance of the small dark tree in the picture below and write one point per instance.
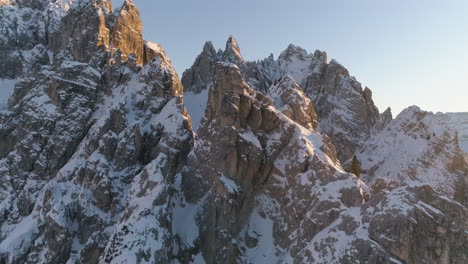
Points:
(456, 138)
(356, 166)
(461, 188)
(166, 82)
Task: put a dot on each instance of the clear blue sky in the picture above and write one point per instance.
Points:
(406, 51)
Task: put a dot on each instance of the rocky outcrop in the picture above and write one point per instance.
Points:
(84, 30)
(235, 179)
(232, 52)
(384, 230)
(35, 31)
(346, 111)
(384, 119)
(127, 33)
(198, 77)
(293, 103)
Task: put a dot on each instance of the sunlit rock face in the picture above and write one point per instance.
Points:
(127, 33)
(100, 161)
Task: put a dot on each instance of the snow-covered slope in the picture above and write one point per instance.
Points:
(415, 146)
(196, 105)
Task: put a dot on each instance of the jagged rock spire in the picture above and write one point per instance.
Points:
(232, 52)
(322, 55)
(383, 120)
(127, 33)
(199, 75)
(208, 48)
(293, 51)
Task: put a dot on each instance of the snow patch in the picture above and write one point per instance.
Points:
(6, 90)
(195, 105)
(262, 230)
(23, 233)
(250, 137)
(230, 185)
(184, 222)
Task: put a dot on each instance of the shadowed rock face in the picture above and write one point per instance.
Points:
(21, 33)
(99, 164)
(346, 111)
(202, 71)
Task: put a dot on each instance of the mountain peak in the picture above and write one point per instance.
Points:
(294, 51)
(388, 111)
(232, 52)
(410, 111)
(322, 55)
(232, 40)
(209, 48)
(227, 80)
(128, 4)
(199, 75)
(127, 33)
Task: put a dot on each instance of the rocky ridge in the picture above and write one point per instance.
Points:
(346, 111)
(306, 211)
(99, 164)
(415, 146)
(347, 114)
